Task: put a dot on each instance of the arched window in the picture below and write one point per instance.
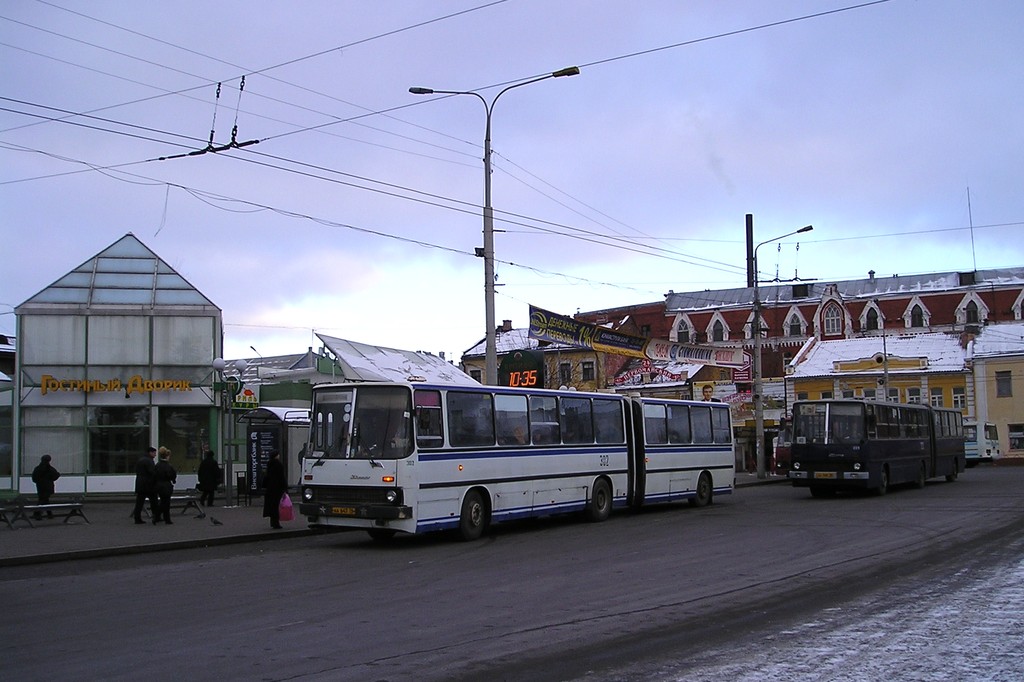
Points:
(917, 317)
(871, 322)
(683, 333)
(833, 320)
(972, 313)
(718, 331)
(794, 326)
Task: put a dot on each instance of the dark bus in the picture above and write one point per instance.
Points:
(858, 445)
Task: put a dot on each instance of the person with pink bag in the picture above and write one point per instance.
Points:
(274, 488)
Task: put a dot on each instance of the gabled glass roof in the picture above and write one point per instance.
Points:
(125, 273)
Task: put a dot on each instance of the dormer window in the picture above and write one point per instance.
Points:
(794, 326)
(871, 320)
(718, 331)
(833, 319)
(916, 316)
(971, 312)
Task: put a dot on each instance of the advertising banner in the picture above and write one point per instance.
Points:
(548, 326)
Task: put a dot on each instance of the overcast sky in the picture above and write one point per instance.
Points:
(891, 126)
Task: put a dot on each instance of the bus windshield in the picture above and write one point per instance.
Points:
(372, 422)
(828, 423)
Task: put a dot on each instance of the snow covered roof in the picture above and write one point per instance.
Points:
(363, 362)
(999, 339)
(512, 340)
(940, 353)
(850, 289)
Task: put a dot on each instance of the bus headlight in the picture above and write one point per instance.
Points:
(856, 466)
(796, 465)
(391, 496)
(307, 494)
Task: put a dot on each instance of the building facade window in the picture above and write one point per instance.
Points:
(683, 333)
(801, 395)
(476, 374)
(116, 437)
(935, 398)
(718, 331)
(794, 326)
(894, 395)
(914, 395)
(565, 373)
(959, 397)
(1016, 436)
(826, 395)
(869, 394)
(833, 320)
(588, 370)
(971, 313)
(848, 393)
(871, 321)
(1004, 386)
(916, 317)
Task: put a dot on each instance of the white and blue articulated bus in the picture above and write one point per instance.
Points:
(981, 443)
(414, 457)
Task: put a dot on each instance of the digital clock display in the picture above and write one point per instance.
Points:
(527, 378)
(522, 369)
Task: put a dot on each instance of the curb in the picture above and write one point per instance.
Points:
(149, 548)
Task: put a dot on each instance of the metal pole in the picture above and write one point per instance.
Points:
(755, 327)
(490, 333)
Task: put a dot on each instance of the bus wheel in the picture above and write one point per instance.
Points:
(883, 484)
(922, 476)
(703, 496)
(473, 520)
(600, 506)
(953, 476)
(381, 534)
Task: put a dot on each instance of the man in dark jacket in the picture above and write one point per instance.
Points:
(145, 485)
(44, 476)
(274, 487)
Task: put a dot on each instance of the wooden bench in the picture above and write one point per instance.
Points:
(20, 510)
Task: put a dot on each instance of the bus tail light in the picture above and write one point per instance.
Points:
(388, 479)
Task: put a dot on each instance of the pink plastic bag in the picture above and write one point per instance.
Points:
(285, 510)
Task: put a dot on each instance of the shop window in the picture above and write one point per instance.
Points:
(588, 371)
(959, 397)
(56, 432)
(1004, 386)
(118, 436)
(185, 431)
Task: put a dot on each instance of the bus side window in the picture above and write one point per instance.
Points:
(429, 428)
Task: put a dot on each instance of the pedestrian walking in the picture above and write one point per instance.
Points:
(274, 486)
(209, 478)
(166, 477)
(145, 485)
(44, 476)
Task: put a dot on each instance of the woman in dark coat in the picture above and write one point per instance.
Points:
(209, 478)
(166, 477)
(274, 487)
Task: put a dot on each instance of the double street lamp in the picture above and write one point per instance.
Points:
(755, 329)
(491, 352)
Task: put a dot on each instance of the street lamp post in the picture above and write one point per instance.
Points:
(227, 422)
(491, 351)
(755, 329)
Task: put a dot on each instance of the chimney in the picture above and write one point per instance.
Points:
(506, 326)
(871, 275)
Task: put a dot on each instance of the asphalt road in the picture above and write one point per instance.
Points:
(631, 598)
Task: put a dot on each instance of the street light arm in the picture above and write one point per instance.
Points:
(806, 228)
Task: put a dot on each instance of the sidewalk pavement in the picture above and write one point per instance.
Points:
(111, 531)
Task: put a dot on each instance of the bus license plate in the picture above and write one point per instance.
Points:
(824, 474)
(343, 511)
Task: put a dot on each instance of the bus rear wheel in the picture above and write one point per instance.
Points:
(702, 498)
(922, 476)
(600, 506)
(473, 519)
